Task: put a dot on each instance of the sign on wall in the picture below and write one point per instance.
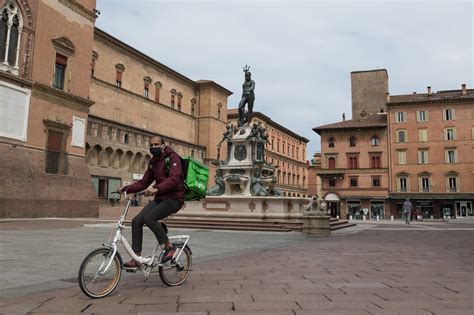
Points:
(78, 131)
(14, 106)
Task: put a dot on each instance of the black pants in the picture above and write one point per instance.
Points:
(154, 211)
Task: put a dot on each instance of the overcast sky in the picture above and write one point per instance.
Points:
(301, 53)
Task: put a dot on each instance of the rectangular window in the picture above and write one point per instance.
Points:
(353, 181)
(451, 156)
(402, 157)
(422, 156)
(375, 161)
(449, 134)
(421, 116)
(375, 181)
(452, 184)
(401, 136)
(402, 184)
(56, 158)
(332, 183)
(423, 134)
(448, 114)
(60, 71)
(400, 117)
(425, 184)
(352, 162)
(283, 147)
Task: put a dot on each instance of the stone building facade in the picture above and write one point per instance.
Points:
(136, 97)
(45, 47)
(286, 150)
(77, 102)
(424, 153)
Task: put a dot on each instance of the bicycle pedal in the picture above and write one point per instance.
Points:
(133, 270)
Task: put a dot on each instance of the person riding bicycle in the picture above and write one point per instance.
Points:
(169, 197)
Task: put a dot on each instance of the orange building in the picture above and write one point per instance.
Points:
(431, 152)
(354, 166)
(416, 146)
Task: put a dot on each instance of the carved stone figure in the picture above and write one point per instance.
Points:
(248, 98)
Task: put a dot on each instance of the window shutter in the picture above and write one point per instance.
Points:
(453, 115)
(454, 134)
(456, 156)
(61, 60)
(446, 157)
(444, 114)
(417, 115)
(419, 157)
(420, 184)
(426, 116)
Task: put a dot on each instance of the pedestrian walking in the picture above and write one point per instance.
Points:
(407, 209)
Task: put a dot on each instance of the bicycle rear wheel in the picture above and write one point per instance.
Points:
(176, 272)
(94, 280)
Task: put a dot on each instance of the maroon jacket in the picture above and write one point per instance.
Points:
(169, 187)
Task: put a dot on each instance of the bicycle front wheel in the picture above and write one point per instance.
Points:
(94, 279)
(177, 271)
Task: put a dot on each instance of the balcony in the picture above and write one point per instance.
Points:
(331, 173)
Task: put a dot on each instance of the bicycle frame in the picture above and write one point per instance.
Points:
(149, 260)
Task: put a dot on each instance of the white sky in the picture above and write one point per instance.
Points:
(301, 53)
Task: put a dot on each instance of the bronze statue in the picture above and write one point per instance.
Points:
(218, 189)
(227, 135)
(248, 97)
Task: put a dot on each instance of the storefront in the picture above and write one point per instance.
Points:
(464, 209)
(354, 210)
(333, 205)
(434, 206)
(377, 209)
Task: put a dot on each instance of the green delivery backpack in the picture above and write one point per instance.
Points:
(196, 175)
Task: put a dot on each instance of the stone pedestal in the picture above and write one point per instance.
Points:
(316, 225)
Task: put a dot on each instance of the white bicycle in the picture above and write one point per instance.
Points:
(101, 269)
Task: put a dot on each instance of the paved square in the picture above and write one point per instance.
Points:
(371, 269)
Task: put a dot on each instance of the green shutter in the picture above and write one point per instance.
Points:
(95, 183)
(112, 186)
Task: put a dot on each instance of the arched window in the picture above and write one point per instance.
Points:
(331, 142)
(375, 141)
(352, 141)
(11, 25)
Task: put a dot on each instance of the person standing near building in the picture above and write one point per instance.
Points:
(407, 209)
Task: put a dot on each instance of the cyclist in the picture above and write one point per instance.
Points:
(169, 197)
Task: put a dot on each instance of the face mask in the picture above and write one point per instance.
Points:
(156, 151)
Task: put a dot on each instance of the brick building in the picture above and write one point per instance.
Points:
(416, 146)
(431, 152)
(45, 47)
(137, 97)
(286, 150)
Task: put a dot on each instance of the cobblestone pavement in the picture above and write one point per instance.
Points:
(374, 268)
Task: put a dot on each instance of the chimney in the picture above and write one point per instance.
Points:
(429, 90)
(343, 116)
(414, 93)
(464, 92)
(387, 97)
